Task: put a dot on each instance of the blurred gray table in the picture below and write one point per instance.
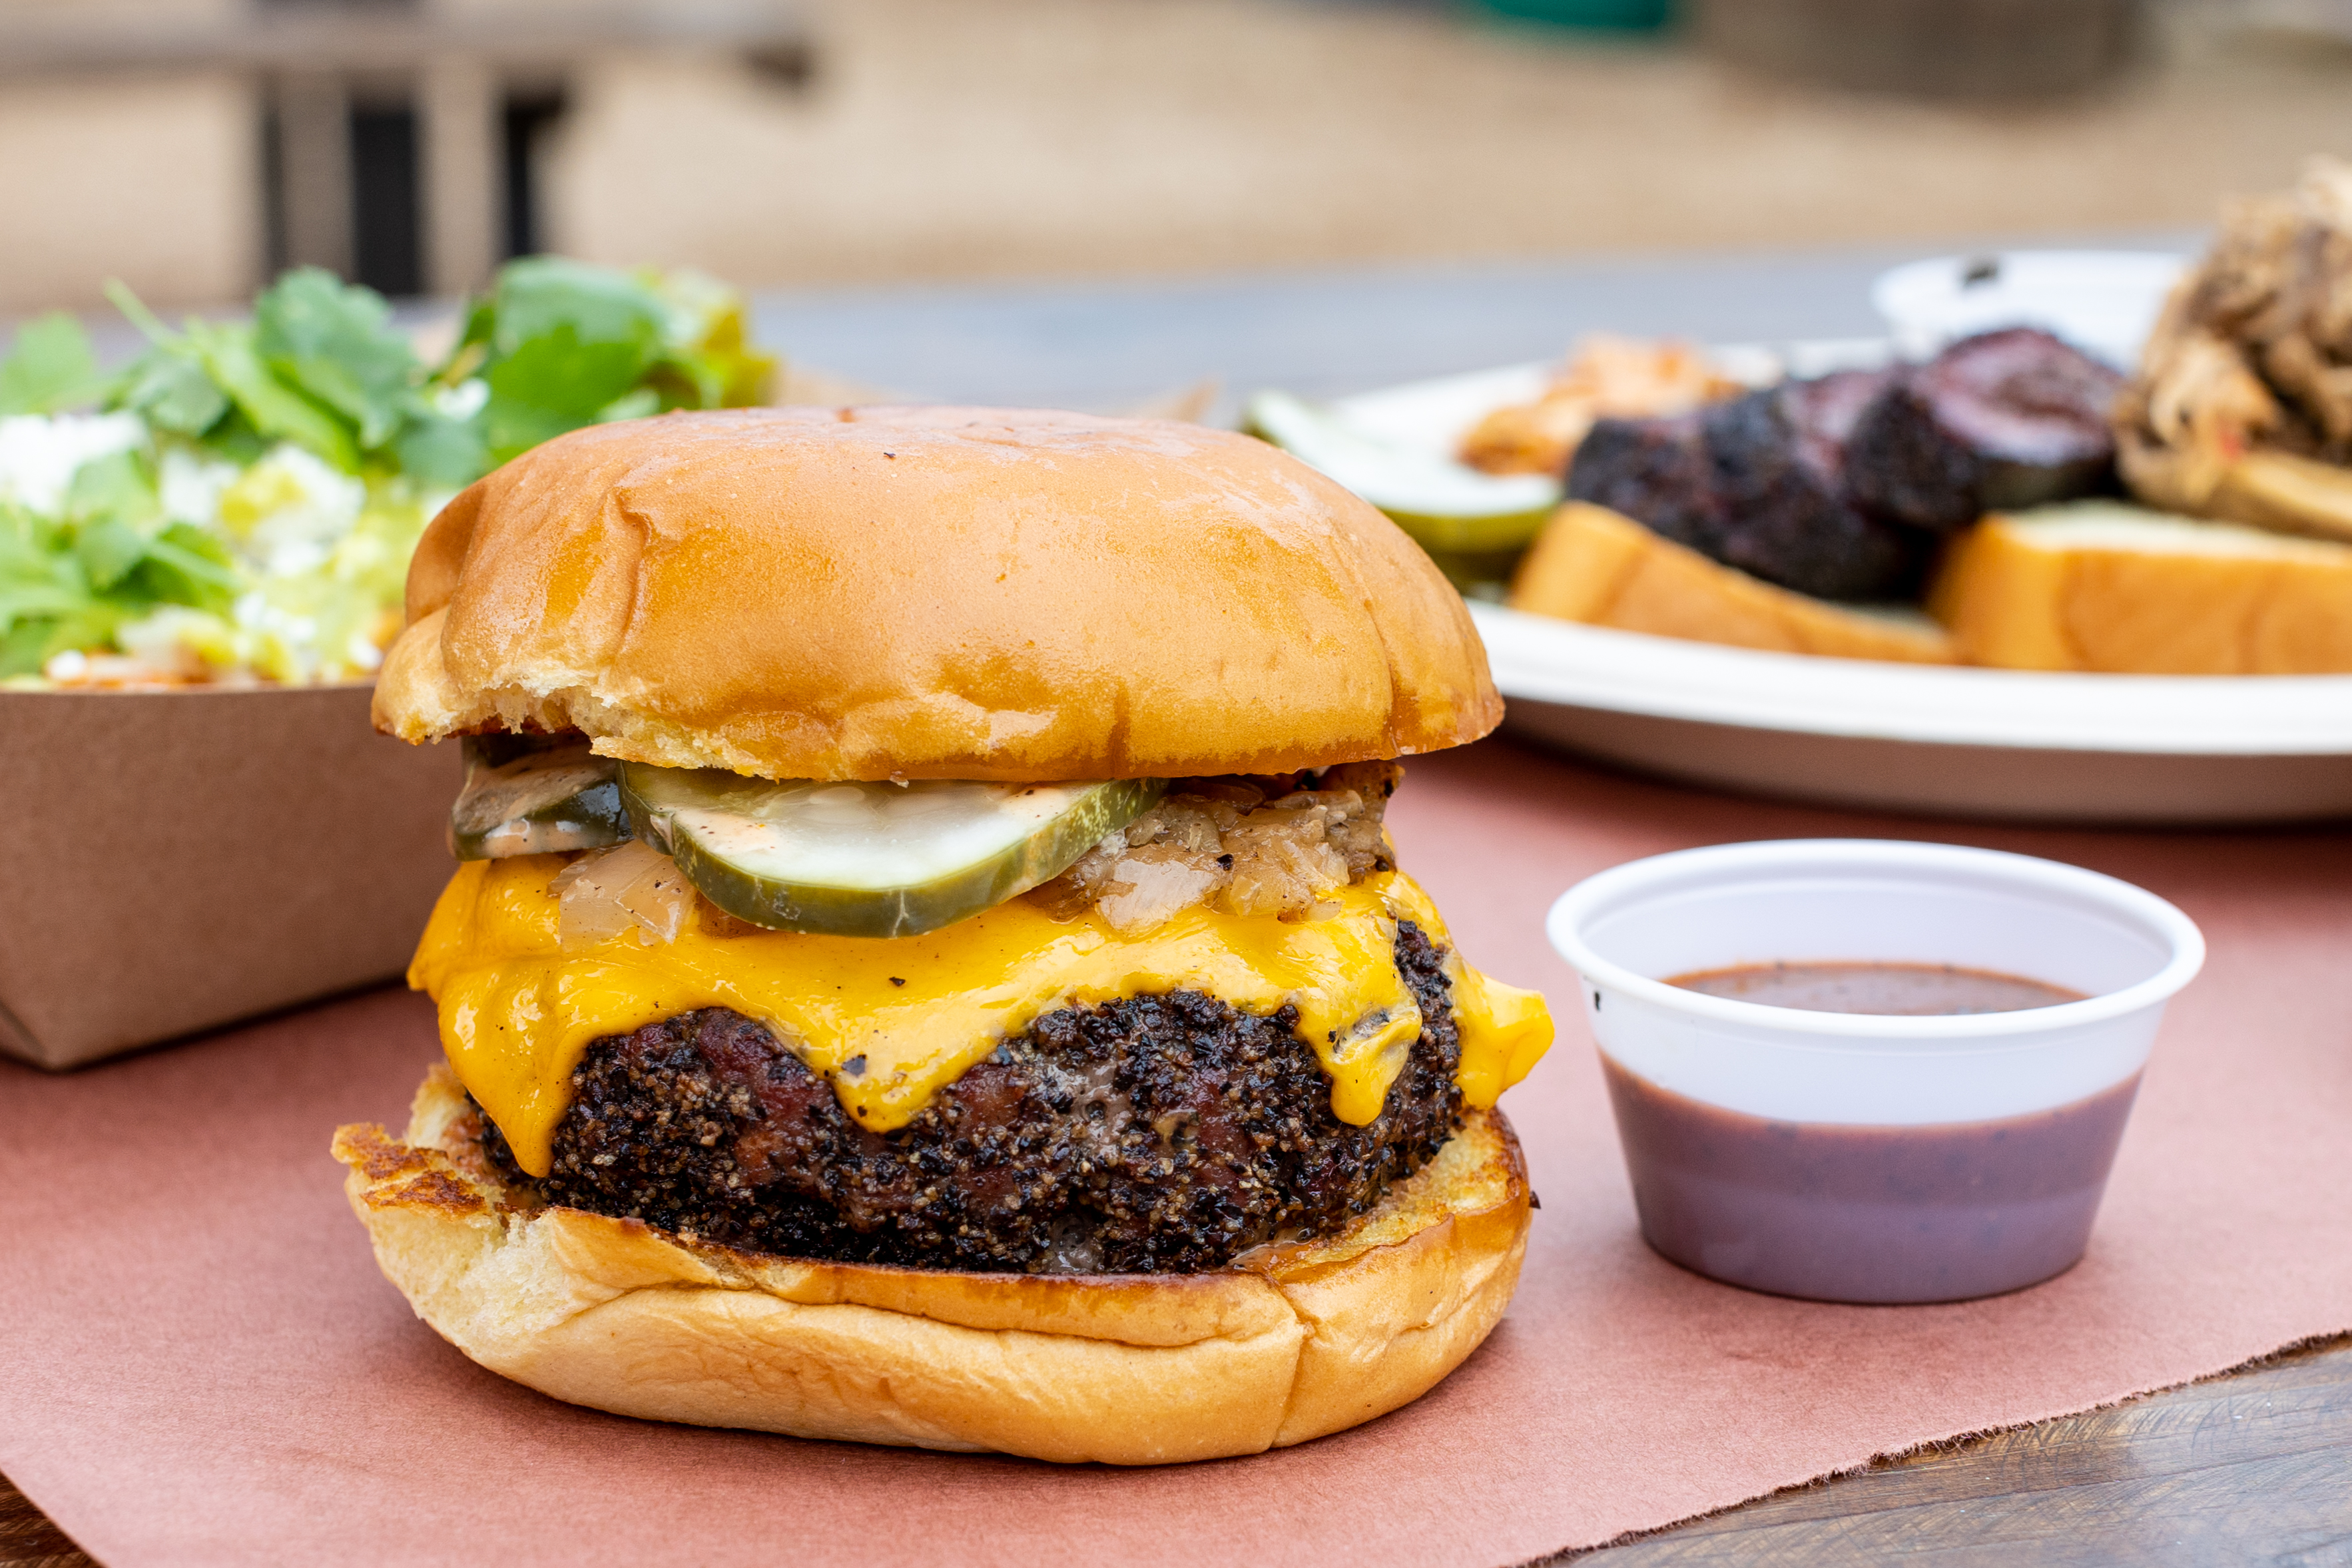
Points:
(1103, 346)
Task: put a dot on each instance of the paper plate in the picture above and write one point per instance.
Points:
(2105, 302)
(1905, 738)
(1428, 418)
(1950, 741)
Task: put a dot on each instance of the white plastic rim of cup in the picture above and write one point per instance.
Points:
(2105, 302)
(1873, 900)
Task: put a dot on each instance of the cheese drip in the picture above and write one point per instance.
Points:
(889, 1022)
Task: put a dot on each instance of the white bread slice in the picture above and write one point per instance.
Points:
(2295, 495)
(2099, 585)
(1596, 566)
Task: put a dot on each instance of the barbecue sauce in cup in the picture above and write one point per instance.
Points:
(1941, 1211)
(1870, 1132)
(1900, 990)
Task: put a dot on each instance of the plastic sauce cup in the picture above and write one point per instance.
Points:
(1864, 1158)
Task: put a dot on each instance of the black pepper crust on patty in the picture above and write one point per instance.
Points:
(1157, 1134)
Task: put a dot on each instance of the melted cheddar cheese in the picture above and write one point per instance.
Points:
(889, 1022)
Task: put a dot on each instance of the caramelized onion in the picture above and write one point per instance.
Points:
(607, 892)
(1221, 841)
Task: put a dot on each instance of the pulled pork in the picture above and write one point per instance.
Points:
(2243, 405)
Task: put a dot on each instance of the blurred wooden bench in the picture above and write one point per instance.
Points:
(456, 62)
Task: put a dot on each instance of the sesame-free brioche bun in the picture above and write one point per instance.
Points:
(932, 593)
(1291, 1342)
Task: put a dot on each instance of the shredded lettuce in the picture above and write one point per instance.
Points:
(240, 502)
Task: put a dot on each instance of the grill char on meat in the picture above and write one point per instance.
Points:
(1841, 486)
(1654, 471)
(2005, 419)
(1777, 464)
(1756, 482)
(1154, 1134)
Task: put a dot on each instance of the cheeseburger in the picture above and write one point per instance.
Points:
(926, 965)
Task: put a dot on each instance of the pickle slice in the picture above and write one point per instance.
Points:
(1449, 507)
(869, 860)
(1474, 525)
(526, 795)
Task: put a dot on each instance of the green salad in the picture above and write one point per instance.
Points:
(239, 503)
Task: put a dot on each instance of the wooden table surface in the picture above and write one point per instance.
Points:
(2252, 1467)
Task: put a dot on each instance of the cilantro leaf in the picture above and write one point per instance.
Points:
(440, 450)
(108, 547)
(234, 440)
(134, 311)
(277, 410)
(115, 485)
(169, 386)
(72, 585)
(36, 582)
(473, 345)
(113, 509)
(46, 602)
(561, 344)
(49, 367)
(31, 642)
(552, 384)
(186, 565)
(29, 598)
(539, 296)
(336, 342)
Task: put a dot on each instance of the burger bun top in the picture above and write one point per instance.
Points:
(932, 593)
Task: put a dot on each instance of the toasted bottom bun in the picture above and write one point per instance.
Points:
(1292, 1342)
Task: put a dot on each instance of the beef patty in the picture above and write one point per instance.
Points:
(1156, 1134)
